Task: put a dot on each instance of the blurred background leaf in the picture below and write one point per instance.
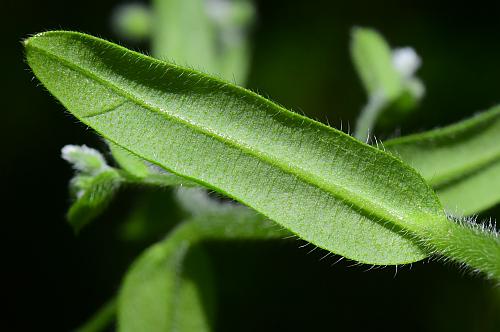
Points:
(461, 161)
(388, 76)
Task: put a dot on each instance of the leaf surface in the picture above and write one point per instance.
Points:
(321, 184)
(461, 161)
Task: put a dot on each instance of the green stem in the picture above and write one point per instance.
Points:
(464, 242)
(368, 117)
(156, 180)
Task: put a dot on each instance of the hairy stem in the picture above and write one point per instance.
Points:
(368, 117)
(474, 245)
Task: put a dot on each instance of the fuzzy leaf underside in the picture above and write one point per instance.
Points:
(321, 184)
(461, 161)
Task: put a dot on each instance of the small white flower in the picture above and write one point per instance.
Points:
(406, 61)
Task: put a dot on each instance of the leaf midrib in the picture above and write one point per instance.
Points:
(358, 204)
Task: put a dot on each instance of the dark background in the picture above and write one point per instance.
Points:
(55, 280)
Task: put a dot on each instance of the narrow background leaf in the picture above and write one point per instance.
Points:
(461, 161)
(170, 286)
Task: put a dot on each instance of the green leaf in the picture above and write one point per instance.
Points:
(372, 57)
(232, 20)
(388, 78)
(183, 32)
(96, 183)
(461, 161)
(132, 21)
(217, 31)
(129, 162)
(93, 186)
(92, 196)
(321, 184)
(158, 295)
(170, 286)
(316, 181)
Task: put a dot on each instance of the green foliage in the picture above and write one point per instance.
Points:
(170, 286)
(93, 186)
(150, 110)
(151, 216)
(461, 161)
(373, 59)
(139, 171)
(217, 42)
(388, 78)
(155, 288)
(171, 126)
(96, 183)
(310, 178)
(132, 21)
(93, 194)
(130, 163)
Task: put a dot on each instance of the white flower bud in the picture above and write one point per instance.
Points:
(84, 159)
(406, 61)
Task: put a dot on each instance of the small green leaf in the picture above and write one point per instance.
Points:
(96, 183)
(217, 31)
(183, 32)
(129, 162)
(156, 295)
(170, 286)
(372, 57)
(93, 197)
(93, 186)
(461, 161)
(132, 21)
(388, 78)
(139, 171)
